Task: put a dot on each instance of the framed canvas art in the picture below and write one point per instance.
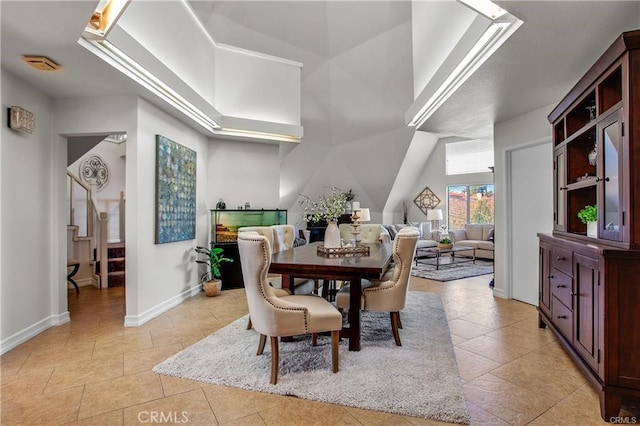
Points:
(175, 191)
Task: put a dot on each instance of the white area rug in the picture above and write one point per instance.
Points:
(418, 379)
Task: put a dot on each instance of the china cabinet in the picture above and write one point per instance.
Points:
(589, 286)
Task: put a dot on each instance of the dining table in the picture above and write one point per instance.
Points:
(305, 262)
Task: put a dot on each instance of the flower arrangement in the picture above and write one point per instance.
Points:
(329, 206)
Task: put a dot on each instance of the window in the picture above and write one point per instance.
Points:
(473, 156)
(470, 204)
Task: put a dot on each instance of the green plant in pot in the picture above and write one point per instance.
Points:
(589, 216)
(445, 243)
(213, 258)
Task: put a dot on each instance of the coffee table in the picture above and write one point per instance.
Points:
(436, 253)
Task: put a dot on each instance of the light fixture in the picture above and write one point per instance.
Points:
(21, 120)
(485, 7)
(256, 135)
(122, 62)
(502, 26)
(435, 216)
(365, 215)
(41, 63)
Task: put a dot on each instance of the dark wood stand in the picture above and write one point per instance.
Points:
(589, 286)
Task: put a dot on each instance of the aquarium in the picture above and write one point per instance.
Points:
(225, 223)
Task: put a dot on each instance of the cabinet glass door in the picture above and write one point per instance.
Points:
(561, 190)
(609, 203)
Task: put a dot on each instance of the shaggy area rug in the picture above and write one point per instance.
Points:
(427, 269)
(418, 379)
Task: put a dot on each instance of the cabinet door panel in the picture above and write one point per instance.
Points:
(586, 311)
(560, 184)
(609, 170)
(544, 265)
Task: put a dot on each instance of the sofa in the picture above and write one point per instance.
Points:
(427, 237)
(477, 236)
(368, 233)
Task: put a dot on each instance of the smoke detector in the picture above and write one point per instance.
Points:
(41, 63)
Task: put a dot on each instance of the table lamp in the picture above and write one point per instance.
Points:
(435, 216)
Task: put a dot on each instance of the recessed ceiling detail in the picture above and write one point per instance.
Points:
(41, 63)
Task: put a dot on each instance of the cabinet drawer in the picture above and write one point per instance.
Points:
(562, 260)
(561, 287)
(562, 318)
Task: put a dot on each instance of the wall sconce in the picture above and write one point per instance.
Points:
(21, 120)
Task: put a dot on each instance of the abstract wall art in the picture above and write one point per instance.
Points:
(175, 191)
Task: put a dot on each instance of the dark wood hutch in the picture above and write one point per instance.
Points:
(589, 286)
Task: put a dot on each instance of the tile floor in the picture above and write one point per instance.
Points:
(94, 371)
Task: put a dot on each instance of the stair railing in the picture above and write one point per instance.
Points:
(95, 221)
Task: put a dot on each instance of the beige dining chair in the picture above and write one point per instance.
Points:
(282, 316)
(388, 294)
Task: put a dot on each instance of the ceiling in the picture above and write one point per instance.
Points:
(550, 51)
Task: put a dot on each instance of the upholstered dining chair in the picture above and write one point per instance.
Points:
(282, 316)
(388, 294)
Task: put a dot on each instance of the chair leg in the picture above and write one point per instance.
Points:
(263, 341)
(395, 320)
(314, 339)
(335, 340)
(274, 360)
(249, 325)
(399, 321)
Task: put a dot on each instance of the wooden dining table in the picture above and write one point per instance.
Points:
(305, 262)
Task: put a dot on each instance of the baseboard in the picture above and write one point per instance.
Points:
(498, 292)
(33, 330)
(84, 282)
(149, 314)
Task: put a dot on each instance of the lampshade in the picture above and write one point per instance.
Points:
(364, 215)
(434, 214)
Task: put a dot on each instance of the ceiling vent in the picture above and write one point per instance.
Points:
(41, 63)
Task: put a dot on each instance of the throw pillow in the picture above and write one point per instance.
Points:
(391, 230)
(490, 238)
(425, 230)
(299, 242)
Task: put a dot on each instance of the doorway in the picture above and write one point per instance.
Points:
(95, 213)
(531, 206)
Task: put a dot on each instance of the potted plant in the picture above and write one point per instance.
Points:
(210, 281)
(589, 216)
(445, 243)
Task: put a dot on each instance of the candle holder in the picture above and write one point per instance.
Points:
(356, 223)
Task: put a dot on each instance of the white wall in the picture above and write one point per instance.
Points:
(29, 273)
(235, 82)
(526, 130)
(241, 172)
(159, 276)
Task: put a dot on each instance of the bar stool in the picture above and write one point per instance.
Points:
(72, 263)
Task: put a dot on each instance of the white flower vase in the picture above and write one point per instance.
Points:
(332, 236)
(592, 229)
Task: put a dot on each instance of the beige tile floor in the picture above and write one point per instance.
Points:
(94, 371)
